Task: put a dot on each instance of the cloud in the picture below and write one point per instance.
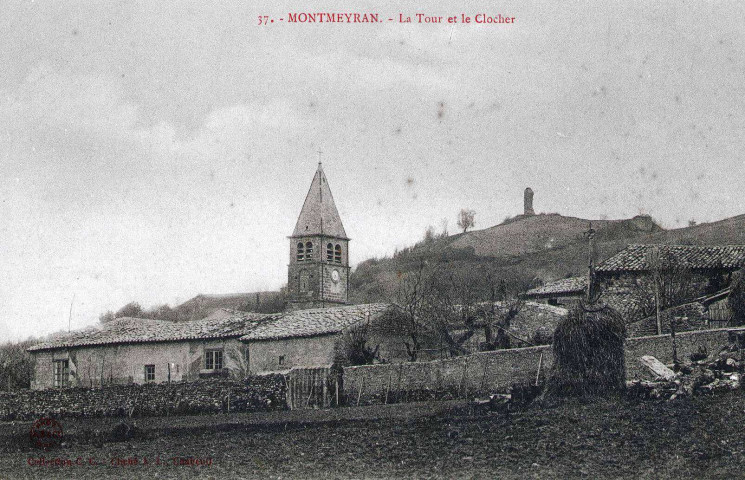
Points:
(52, 100)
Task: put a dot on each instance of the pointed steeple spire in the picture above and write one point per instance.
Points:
(319, 215)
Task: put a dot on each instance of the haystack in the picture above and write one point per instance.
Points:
(588, 348)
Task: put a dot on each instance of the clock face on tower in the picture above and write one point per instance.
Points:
(335, 276)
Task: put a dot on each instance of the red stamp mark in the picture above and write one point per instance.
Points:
(46, 433)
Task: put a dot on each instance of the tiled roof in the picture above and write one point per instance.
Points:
(319, 215)
(559, 287)
(222, 324)
(633, 258)
(317, 321)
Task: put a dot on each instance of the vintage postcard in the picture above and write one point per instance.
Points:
(372, 239)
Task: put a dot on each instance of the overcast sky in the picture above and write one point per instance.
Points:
(154, 150)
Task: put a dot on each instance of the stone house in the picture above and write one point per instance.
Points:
(321, 336)
(689, 272)
(228, 343)
(562, 293)
(136, 350)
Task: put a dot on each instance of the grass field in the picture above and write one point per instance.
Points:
(602, 438)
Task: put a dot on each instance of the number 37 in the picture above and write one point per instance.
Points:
(263, 19)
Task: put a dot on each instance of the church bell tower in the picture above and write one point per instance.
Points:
(318, 273)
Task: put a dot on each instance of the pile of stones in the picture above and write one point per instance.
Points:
(702, 373)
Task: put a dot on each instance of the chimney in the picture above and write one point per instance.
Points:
(528, 202)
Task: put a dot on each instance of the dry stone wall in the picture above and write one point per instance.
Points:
(153, 399)
(488, 372)
(456, 377)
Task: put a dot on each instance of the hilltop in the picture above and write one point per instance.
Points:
(205, 304)
(530, 249)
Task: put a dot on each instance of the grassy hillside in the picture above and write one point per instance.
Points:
(527, 250)
(730, 231)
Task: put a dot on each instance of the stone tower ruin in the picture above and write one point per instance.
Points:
(528, 202)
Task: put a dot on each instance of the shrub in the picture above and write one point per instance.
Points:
(123, 432)
(588, 348)
(542, 336)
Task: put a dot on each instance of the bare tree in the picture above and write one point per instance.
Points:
(240, 360)
(16, 365)
(655, 270)
(736, 298)
(502, 306)
(426, 298)
(443, 311)
(429, 234)
(410, 295)
(106, 317)
(354, 349)
(498, 317)
(444, 226)
(465, 219)
(450, 307)
(132, 309)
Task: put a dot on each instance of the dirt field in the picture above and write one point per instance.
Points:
(603, 438)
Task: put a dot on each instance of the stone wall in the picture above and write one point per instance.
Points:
(486, 372)
(283, 354)
(466, 375)
(334, 291)
(200, 396)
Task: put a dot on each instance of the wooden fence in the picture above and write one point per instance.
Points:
(312, 387)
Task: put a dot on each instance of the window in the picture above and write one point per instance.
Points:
(337, 253)
(61, 373)
(149, 373)
(213, 360)
(300, 252)
(308, 251)
(281, 359)
(330, 252)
